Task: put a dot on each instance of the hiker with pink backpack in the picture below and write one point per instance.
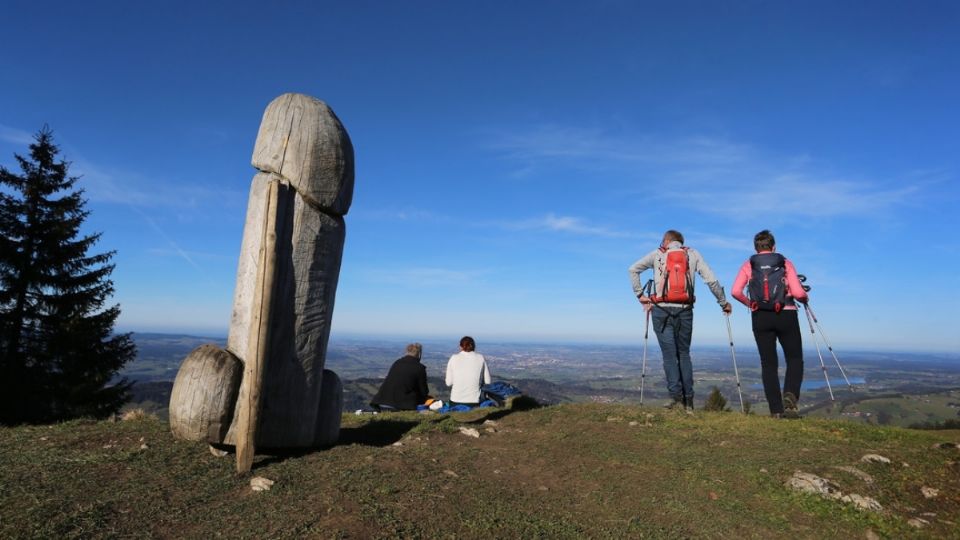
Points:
(774, 290)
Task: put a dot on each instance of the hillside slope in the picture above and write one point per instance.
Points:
(566, 471)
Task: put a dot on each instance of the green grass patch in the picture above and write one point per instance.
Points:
(568, 471)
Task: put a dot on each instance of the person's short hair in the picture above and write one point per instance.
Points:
(468, 344)
(764, 241)
(674, 235)
(415, 350)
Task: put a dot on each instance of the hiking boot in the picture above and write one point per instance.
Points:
(688, 403)
(776, 415)
(674, 405)
(790, 406)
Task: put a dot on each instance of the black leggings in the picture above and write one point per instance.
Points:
(768, 327)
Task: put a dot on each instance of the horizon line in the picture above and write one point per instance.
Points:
(543, 340)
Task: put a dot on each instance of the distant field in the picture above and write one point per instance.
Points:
(896, 389)
(905, 410)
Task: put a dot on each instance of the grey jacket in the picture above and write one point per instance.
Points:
(656, 259)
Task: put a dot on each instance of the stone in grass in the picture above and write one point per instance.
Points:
(946, 446)
(856, 472)
(259, 483)
(470, 432)
(811, 483)
(917, 523)
(929, 492)
(862, 502)
(875, 458)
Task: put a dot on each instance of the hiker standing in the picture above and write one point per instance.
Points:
(774, 289)
(466, 371)
(671, 300)
(406, 384)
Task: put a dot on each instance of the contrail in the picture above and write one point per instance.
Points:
(164, 235)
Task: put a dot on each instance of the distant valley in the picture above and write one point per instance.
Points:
(889, 388)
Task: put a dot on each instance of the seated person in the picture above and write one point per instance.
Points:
(406, 384)
(466, 371)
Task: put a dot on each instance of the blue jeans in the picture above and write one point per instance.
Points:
(674, 329)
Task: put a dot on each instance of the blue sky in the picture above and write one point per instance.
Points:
(513, 159)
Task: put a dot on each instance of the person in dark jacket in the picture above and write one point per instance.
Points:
(406, 384)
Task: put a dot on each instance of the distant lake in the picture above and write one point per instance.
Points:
(817, 385)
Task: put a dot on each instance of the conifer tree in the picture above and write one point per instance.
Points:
(58, 353)
(715, 401)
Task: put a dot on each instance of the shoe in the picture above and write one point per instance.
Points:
(688, 403)
(791, 414)
(789, 400)
(776, 415)
(790, 406)
(673, 405)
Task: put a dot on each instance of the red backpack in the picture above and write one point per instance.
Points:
(677, 288)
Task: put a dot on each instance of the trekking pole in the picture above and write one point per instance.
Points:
(827, 343)
(643, 370)
(734, 355)
(823, 366)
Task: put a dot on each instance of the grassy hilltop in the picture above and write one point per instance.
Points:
(566, 471)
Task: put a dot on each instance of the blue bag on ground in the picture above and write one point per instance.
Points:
(500, 392)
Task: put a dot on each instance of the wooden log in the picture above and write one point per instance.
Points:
(309, 251)
(330, 411)
(248, 416)
(302, 140)
(204, 394)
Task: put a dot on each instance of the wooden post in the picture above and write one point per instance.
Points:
(249, 414)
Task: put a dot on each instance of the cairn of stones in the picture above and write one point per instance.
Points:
(269, 388)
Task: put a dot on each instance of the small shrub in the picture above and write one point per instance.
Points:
(136, 414)
(715, 401)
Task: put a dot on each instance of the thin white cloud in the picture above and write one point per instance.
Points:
(397, 214)
(104, 185)
(796, 194)
(192, 255)
(109, 185)
(563, 224)
(592, 148)
(731, 243)
(15, 136)
(424, 276)
(714, 175)
(176, 247)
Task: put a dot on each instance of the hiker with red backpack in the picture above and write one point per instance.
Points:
(669, 299)
(774, 289)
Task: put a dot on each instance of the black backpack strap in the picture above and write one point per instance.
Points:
(671, 315)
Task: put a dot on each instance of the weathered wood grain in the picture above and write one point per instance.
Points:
(309, 251)
(249, 401)
(330, 411)
(204, 393)
(302, 140)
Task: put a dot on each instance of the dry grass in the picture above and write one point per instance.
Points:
(569, 471)
(136, 414)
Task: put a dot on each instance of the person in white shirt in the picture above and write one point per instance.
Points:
(466, 372)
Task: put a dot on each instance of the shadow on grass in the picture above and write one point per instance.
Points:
(376, 433)
(384, 431)
(279, 455)
(519, 403)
